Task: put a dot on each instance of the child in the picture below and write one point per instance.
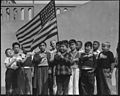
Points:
(11, 65)
(74, 79)
(79, 46)
(103, 75)
(40, 60)
(51, 77)
(62, 61)
(88, 65)
(96, 46)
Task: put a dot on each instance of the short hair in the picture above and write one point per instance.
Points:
(52, 41)
(57, 43)
(72, 41)
(97, 42)
(64, 42)
(88, 43)
(7, 50)
(80, 42)
(43, 43)
(15, 43)
(106, 43)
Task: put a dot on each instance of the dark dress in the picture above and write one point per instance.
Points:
(103, 73)
(87, 79)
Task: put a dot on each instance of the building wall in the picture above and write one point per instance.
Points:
(91, 21)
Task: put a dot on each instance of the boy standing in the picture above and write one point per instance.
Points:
(62, 61)
(96, 46)
(51, 77)
(11, 65)
(88, 65)
(74, 79)
(40, 60)
(104, 70)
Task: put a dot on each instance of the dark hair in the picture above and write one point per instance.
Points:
(58, 43)
(43, 43)
(80, 42)
(64, 42)
(72, 41)
(97, 42)
(15, 43)
(88, 43)
(7, 50)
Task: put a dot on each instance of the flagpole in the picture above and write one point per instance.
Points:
(56, 20)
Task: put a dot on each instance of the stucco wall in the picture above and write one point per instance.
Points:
(95, 20)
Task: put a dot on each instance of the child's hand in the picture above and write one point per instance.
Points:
(85, 56)
(90, 55)
(76, 60)
(103, 56)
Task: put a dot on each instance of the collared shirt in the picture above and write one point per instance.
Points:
(75, 55)
(96, 53)
(81, 51)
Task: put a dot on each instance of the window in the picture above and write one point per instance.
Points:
(22, 14)
(7, 13)
(30, 13)
(58, 11)
(15, 13)
(65, 9)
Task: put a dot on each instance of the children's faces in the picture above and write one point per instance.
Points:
(42, 47)
(88, 49)
(72, 46)
(95, 45)
(10, 52)
(105, 47)
(63, 48)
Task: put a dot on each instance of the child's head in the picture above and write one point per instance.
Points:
(79, 45)
(9, 52)
(58, 45)
(106, 46)
(64, 46)
(72, 44)
(42, 46)
(96, 45)
(16, 47)
(53, 44)
(88, 46)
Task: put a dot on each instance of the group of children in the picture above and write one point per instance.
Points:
(65, 69)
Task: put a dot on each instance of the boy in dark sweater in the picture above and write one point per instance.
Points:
(88, 65)
(104, 70)
(62, 61)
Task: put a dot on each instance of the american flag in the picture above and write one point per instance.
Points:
(42, 27)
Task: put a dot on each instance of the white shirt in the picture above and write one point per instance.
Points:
(96, 53)
(14, 64)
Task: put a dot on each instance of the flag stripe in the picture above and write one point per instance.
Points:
(27, 30)
(33, 31)
(52, 34)
(27, 42)
(48, 24)
(35, 44)
(33, 20)
(42, 27)
(45, 32)
(46, 28)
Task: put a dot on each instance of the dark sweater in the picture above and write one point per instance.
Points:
(106, 62)
(88, 61)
